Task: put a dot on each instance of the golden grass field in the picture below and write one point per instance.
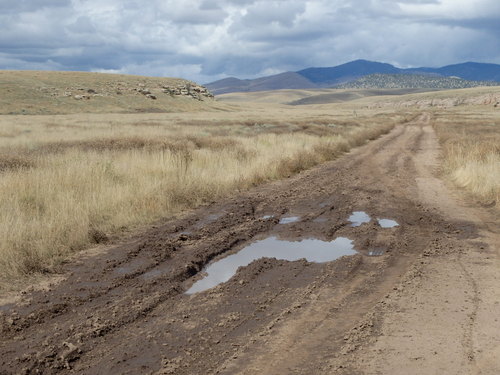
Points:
(471, 151)
(70, 181)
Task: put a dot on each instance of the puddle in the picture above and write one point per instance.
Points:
(312, 250)
(323, 204)
(288, 220)
(387, 223)
(6, 307)
(359, 217)
(376, 252)
(265, 217)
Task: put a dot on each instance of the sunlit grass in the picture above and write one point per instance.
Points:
(471, 153)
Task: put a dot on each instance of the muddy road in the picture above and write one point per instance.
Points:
(416, 292)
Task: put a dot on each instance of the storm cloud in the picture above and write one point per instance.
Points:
(205, 40)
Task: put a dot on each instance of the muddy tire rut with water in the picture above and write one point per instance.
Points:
(417, 297)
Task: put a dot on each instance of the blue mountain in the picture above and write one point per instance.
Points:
(351, 71)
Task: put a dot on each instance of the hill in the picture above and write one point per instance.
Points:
(341, 96)
(412, 81)
(469, 71)
(288, 80)
(46, 92)
(311, 78)
(346, 72)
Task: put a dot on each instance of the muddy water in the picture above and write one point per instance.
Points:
(387, 223)
(359, 217)
(6, 307)
(288, 220)
(376, 252)
(313, 250)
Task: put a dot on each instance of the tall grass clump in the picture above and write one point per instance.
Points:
(471, 155)
(61, 196)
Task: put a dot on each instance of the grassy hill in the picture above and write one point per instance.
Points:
(288, 80)
(43, 92)
(353, 99)
(313, 96)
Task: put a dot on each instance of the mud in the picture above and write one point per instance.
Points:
(125, 310)
(312, 250)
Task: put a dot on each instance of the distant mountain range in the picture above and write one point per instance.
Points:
(338, 75)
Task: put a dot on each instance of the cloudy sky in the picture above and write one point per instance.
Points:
(205, 40)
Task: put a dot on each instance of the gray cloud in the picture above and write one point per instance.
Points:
(272, 12)
(206, 40)
(204, 14)
(15, 6)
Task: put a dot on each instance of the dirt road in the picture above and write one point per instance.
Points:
(420, 297)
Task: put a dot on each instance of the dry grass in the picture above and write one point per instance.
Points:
(69, 182)
(471, 152)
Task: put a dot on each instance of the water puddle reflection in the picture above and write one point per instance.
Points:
(387, 223)
(359, 217)
(266, 217)
(313, 250)
(288, 220)
(6, 307)
(376, 252)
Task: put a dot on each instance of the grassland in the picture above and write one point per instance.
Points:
(68, 182)
(471, 151)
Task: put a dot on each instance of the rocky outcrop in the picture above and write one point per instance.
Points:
(186, 89)
(192, 90)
